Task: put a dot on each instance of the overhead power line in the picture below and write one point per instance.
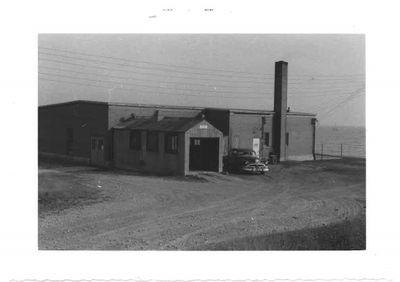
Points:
(159, 90)
(140, 85)
(321, 93)
(346, 100)
(147, 68)
(325, 95)
(306, 89)
(324, 88)
(153, 63)
(297, 87)
(150, 80)
(149, 73)
(309, 79)
(335, 76)
(329, 102)
(253, 75)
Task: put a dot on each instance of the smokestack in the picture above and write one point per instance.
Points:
(280, 109)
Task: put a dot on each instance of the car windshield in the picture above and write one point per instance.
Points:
(246, 153)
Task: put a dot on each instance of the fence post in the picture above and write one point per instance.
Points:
(341, 150)
(322, 151)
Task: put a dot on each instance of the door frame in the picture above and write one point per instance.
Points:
(100, 156)
(218, 141)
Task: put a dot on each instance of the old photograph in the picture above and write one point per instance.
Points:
(201, 142)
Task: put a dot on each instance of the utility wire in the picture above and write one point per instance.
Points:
(351, 97)
(316, 106)
(310, 76)
(152, 63)
(332, 104)
(149, 73)
(320, 90)
(296, 88)
(143, 67)
(186, 83)
(150, 92)
(140, 85)
(339, 87)
(164, 88)
(149, 80)
(329, 95)
(339, 105)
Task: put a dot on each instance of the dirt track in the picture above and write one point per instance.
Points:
(126, 211)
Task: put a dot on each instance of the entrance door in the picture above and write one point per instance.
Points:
(256, 145)
(97, 151)
(204, 154)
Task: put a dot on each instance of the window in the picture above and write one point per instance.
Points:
(266, 139)
(100, 145)
(245, 153)
(287, 138)
(171, 143)
(152, 141)
(135, 140)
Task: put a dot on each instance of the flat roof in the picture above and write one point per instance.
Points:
(233, 110)
(167, 124)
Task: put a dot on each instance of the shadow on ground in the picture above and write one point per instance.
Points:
(346, 235)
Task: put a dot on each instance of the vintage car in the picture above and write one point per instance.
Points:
(244, 160)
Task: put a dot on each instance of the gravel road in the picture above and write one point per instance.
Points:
(121, 210)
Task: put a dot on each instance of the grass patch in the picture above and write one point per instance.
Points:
(346, 235)
(60, 191)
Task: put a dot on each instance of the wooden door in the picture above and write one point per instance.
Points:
(195, 156)
(97, 151)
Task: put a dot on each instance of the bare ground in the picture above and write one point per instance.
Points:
(307, 205)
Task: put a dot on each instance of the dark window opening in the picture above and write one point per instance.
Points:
(152, 141)
(266, 139)
(135, 140)
(93, 144)
(171, 143)
(287, 138)
(100, 145)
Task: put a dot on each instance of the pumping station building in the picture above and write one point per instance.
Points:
(173, 139)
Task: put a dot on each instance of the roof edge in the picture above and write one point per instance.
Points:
(74, 102)
(233, 110)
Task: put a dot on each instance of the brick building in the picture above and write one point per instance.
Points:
(173, 139)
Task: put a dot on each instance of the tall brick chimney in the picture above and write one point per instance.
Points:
(280, 109)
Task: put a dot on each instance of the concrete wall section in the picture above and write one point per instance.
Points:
(300, 131)
(83, 119)
(245, 127)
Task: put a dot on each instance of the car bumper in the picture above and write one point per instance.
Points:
(255, 169)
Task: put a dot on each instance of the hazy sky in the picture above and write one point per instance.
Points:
(326, 72)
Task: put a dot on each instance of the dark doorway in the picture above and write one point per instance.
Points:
(204, 154)
(97, 151)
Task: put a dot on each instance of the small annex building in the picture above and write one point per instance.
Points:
(167, 145)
